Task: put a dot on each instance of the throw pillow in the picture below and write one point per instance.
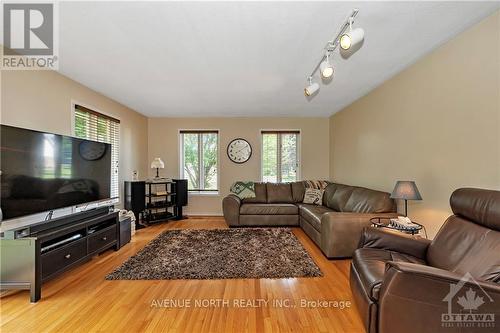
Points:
(317, 184)
(313, 196)
(243, 189)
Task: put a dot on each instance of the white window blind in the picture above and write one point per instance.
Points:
(92, 125)
(280, 156)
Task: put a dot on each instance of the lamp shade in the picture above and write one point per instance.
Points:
(157, 164)
(407, 190)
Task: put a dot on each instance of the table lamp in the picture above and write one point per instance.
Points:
(157, 164)
(406, 190)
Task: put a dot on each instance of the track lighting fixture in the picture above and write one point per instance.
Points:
(346, 38)
(352, 37)
(326, 68)
(311, 88)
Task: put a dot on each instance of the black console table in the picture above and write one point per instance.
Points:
(56, 247)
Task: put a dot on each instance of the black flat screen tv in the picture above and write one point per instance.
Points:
(41, 172)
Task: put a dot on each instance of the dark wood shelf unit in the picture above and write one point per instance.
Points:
(156, 201)
(158, 210)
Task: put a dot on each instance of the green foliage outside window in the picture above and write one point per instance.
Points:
(279, 157)
(200, 160)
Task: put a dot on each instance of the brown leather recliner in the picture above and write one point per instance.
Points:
(401, 284)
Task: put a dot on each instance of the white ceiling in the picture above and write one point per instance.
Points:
(178, 59)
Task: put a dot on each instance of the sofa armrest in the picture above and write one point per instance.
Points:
(425, 297)
(441, 275)
(231, 209)
(392, 241)
(340, 232)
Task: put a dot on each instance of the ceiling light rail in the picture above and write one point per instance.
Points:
(346, 38)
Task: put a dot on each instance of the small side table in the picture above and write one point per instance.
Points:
(385, 222)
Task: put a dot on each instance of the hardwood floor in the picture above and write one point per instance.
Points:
(82, 301)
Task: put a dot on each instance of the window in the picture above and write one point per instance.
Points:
(92, 125)
(280, 156)
(199, 160)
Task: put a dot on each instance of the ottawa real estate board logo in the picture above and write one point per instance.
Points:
(467, 301)
(29, 36)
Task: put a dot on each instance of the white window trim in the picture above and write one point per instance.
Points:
(74, 103)
(299, 150)
(181, 160)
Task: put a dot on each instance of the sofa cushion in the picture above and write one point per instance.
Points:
(364, 200)
(268, 209)
(269, 220)
(313, 213)
(338, 198)
(260, 194)
(345, 198)
(328, 194)
(298, 190)
(370, 265)
(279, 193)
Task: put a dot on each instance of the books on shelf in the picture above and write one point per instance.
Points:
(160, 193)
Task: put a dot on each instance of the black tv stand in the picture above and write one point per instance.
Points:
(62, 244)
(53, 223)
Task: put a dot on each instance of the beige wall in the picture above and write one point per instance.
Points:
(437, 122)
(42, 100)
(164, 143)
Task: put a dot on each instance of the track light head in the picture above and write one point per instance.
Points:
(351, 38)
(311, 88)
(326, 68)
(347, 38)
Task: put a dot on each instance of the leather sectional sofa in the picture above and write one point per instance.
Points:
(335, 226)
(402, 284)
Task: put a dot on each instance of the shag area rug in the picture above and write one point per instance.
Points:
(219, 254)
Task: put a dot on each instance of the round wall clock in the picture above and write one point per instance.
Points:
(91, 151)
(239, 150)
